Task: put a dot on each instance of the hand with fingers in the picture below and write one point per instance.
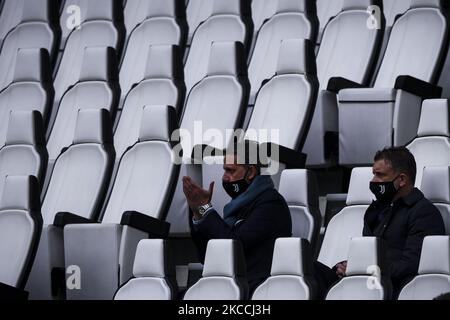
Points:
(196, 196)
(341, 268)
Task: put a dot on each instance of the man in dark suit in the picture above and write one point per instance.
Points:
(256, 216)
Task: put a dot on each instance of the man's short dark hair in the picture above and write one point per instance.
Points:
(248, 153)
(400, 159)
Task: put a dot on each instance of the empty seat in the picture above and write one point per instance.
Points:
(327, 10)
(162, 85)
(294, 19)
(20, 228)
(431, 147)
(436, 188)
(300, 190)
(24, 153)
(291, 274)
(337, 59)
(197, 12)
(135, 210)
(34, 31)
(96, 88)
(433, 278)
(224, 275)
(349, 221)
(165, 25)
(76, 190)
(388, 114)
(31, 88)
(154, 274)
(230, 21)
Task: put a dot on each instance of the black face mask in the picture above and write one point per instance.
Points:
(236, 188)
(384, 191)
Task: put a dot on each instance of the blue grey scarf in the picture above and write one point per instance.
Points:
(259, 185)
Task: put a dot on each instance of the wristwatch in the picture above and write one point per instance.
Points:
(203, 209)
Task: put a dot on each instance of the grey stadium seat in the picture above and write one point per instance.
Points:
(388, 114)
(20, 228)
(75, 193)
(431, 147)
(300, 190)
(433, 278)
(224, 275)
(365, 277)
(24, 152)
(291, 274)
(154, 273)
(96, 88)
(436, 188)
(349, 221)
(348, 50)
(197, 12)
(163, 84)
(230, 21)
(34, 31)
(165, 25)
(31, 88)
(135, 210)
(294, 19)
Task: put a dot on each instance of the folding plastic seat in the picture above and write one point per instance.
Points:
(77, 187)
(431, 147)
(348, 50)
(224, 274)
(96, 88)
(163, 84)
(165, 25)
(433, 278)
(10, 16)
(86, 10)
(135, 210)
(349, 221)
(294, 19)
(326, 11)
(262, 10)
(388, 114)
(300, 190)
(31, 88)
(24, 152)
(365, 277)
(197, 12)
(101, 28)
(436, 188)
(230, 21)
(291, 276)
(20, 228)
(154, 273)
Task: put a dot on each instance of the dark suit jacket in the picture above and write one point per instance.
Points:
(403, 227)
(262, 222)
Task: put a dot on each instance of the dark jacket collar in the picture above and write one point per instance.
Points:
(412, 198)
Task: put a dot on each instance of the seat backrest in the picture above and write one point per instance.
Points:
(431, 147)
(31, 88)
(20, 229)
(262, 10)
(24, 151)
(433, 278)
(392, 9)
(347, 35)
(162, 27)
(218, 101)
(230, 21)
(10, 16)
(96, 88)
(98, 30)
(415, 45)
(295, 19)
(290, 274)
(224, 273)
(286, 102)
(154, 273)
(162, 85)
(327, 10)
(300, 190)
(34, 31)
(81, 173)
(197, 12)
(436, 188)
(349, 221)
(146, 175)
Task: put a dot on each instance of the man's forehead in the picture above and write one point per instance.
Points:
(382, 165)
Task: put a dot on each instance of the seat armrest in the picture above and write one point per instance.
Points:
(418, 87)
(157, 229)
(291, 158)
(63, 219)
(336, 84)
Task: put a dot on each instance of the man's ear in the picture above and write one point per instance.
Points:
(404, 180)
(252, 172)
